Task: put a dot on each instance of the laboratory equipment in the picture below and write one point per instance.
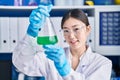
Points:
(47, 34)
(103, 2)
(117, 2)
(18, 3)
(32, 3)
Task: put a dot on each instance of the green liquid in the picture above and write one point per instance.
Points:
(47, 40)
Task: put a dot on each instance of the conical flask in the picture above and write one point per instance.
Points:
(47, 34)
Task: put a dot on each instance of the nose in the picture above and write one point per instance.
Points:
(71, 35)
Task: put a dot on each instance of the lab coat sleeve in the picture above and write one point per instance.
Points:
(101, 73)
(25, 57)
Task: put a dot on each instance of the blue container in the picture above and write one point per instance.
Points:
(103, 2)
(115, 78)
(34, 78)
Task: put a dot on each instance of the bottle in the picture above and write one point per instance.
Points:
(117, 2)
(17, 2)
(32, 3)
(89, 2)
(47, 34)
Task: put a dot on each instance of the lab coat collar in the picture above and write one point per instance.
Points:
(84, 59)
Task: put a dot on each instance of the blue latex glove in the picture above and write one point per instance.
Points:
(57, 54)
(37, 18)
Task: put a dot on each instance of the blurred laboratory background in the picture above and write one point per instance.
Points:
(104, 18)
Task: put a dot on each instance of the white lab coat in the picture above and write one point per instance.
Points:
(29, 58)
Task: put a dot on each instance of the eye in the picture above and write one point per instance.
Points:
(76, 29)
(66, 31)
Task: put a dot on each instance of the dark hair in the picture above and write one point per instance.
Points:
(77, 14)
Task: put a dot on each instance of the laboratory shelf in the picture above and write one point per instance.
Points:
(56, 11)
(24, 11)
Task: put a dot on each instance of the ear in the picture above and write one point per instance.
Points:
(88, 29)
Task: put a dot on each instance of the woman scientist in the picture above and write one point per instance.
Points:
(77, 62)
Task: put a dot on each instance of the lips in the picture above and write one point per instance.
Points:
(74, 42)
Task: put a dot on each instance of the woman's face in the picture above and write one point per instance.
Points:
(75, 32)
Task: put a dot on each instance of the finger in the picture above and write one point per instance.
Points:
(51, 47)
(54, 58)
